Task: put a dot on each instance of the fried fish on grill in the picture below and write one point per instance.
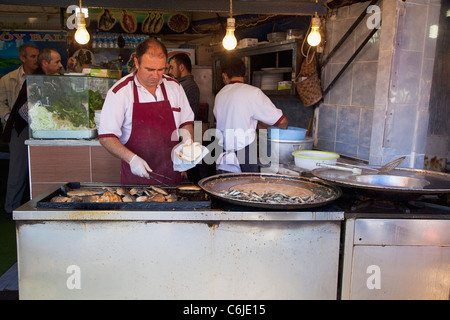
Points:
(171, 198)
(159, 190)
(83, 192)
(156, 198)
(189, 188)
(60, 199)
(128, 198)
(106, 197)
(110, 197)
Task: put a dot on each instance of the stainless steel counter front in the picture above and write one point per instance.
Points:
(204, 254)
(396, 259)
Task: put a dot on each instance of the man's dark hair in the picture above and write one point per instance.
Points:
(233, 67)
(23, 49)
(183, 58)
(147, 44)
(46, 54)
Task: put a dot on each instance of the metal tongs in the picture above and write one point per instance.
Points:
(358, 169)
(152, 175)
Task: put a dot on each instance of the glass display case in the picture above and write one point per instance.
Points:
(63, 107)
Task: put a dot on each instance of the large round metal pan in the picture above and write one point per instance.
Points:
(400, 180)
(217, 184)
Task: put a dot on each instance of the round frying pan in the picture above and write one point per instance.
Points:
(397, 181)
(218, 184)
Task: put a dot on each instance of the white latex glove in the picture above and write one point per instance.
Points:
(140, 167)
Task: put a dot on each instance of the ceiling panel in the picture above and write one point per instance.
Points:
(291, 7)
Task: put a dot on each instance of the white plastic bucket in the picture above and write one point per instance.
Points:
(308, 159)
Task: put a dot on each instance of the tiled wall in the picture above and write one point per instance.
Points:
(345, 118)
(378, 109)
(403, 106)
(297, 114)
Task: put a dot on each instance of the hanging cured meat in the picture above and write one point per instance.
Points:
(153, 23)
(178, 22)
(128, 22)
(106, 20)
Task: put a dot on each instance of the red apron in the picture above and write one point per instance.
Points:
(152, 127)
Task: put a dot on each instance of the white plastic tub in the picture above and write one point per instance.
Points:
(308, 159)
(280, 151)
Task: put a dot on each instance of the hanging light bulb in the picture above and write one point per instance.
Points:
(229, 42)
(81, 35)
(314, 36)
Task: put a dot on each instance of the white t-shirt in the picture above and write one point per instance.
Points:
(117, 112)
(238, 107)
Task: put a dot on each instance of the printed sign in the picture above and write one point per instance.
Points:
(11, 40)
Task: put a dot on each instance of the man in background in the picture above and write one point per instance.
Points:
(47, 61)
(50, 62)
(13, 93)
(238, 108)
(180, 68)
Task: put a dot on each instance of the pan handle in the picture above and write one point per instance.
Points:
(354, 170)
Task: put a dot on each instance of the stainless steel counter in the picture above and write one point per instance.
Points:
(233, 254)
(204, 254)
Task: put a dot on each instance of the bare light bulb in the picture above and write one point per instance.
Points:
(82, 35)
(314, 36)
(229, 42)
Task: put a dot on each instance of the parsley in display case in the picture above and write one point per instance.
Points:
(63, 107)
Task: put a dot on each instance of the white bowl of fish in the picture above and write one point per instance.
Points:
(309, 159)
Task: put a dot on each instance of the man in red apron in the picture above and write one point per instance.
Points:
(141, 117)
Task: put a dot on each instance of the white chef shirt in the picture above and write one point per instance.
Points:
(238, 107)
(117, 112)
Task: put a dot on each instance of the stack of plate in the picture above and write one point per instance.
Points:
(97, 118)
(269, 81)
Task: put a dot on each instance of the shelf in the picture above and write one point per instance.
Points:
(272, 57)
(274, 70)
(287, 92)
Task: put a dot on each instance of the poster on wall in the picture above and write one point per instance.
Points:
(11, 40)
(132, 21)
